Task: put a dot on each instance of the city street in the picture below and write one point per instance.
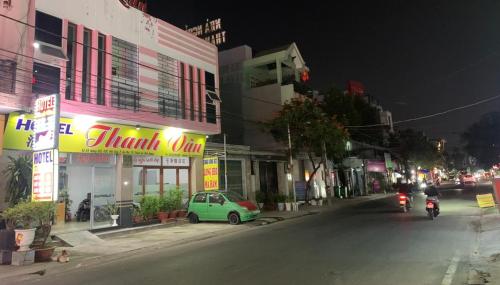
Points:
(370, 243)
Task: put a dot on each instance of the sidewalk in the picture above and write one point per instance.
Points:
(92, 248)
(485, 267)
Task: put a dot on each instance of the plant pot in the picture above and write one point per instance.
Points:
(137, 219)
(281, 207)
(313, 202)
(163, 216)
(288, 206)
(173, 214)
(114, 218)
(24, 238)
(44, 254)
(261, 205)
(182, 214)
(320, 202)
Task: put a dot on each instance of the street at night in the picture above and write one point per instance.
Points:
(367, 243)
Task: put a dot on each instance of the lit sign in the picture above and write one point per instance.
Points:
(211, 173)
(211, 31)
(45, 176)
(105, 138)
(46, 123)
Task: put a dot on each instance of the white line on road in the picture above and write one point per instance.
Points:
(448, 277)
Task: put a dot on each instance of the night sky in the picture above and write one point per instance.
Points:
(415, 57)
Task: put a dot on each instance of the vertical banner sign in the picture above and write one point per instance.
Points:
(46, 129)
(388, 160)
(211, 173)
(45, 149)
(45, 176)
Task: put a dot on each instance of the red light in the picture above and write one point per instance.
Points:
(402, 197)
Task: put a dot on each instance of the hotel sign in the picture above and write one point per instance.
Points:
(45, 176)
(105, 138)
(211, 31)
(46, 123)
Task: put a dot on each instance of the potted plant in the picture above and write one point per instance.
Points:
(260, 197)
(280, 199)
(137, 215)
(43, 215)
(149, 207)
(175, 198)
(288, 203)
(18, 174)
(113, 212)
(20, 218)
(163, 209)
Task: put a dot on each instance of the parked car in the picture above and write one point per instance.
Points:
(221, 206)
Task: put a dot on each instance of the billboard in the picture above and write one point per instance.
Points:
(46, 120)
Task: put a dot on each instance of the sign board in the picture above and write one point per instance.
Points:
(485, 200)
(146, 160)
(176, 161)
(2, 124)
(45, 176)
(211, 173)
(388, 161)
(211, 31)
(46, 123)
(300, 190)
(105, 138)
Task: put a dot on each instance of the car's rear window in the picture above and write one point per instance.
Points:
(234, 197)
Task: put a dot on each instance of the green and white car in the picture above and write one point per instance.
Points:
(221, 206)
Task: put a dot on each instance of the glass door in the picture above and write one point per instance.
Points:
(151, 182)
(103, 194)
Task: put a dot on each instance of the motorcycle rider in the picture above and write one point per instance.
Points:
(407, 190)
(432, 193)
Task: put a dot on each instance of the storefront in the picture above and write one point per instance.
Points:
(102, 164)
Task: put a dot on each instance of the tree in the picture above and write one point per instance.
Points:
(311, 130)
(482, 140)
(413, 146)
(354, 110)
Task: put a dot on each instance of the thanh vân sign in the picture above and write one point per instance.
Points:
(106, 138)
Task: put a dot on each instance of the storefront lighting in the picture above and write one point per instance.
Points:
(36, 45)
(137, 127)
(289, 176)
(306, 174)
(84, 122)
(173, 133)
(125, 183)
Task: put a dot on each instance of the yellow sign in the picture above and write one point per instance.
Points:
(211, 173)
(86, 136)
(485, 200)
(2, 123)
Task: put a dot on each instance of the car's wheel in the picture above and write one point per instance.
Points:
(234, 218)
(193, 218)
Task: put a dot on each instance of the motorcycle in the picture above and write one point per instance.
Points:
(432, 207)
(404, 202)
(83, 212)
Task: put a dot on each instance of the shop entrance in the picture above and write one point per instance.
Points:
(103, 194)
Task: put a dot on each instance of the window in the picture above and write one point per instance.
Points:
(200, 109)
(191, 93)
(100, 68)
(210, 107)
(215, 198)
(183, 91)
(125, 70)
(7, 76)
(70, 64)
(200, 198)
(48, 29)
(45, 79)
(168, 87)
(87, 36)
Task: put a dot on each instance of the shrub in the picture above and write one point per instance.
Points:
(149, 206)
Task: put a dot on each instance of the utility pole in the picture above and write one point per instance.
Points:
(295, 208)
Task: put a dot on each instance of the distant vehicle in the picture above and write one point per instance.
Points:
(468, 180)
(221, 206)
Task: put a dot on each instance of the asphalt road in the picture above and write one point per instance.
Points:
(370, 243)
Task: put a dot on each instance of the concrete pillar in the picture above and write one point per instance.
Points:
(279, 72)
(196, 175)
(124, 192)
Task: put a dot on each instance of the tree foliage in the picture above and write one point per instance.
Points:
(353, 110)
(310, 130)
(482, 139)
(413, 146)
(18, 174)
